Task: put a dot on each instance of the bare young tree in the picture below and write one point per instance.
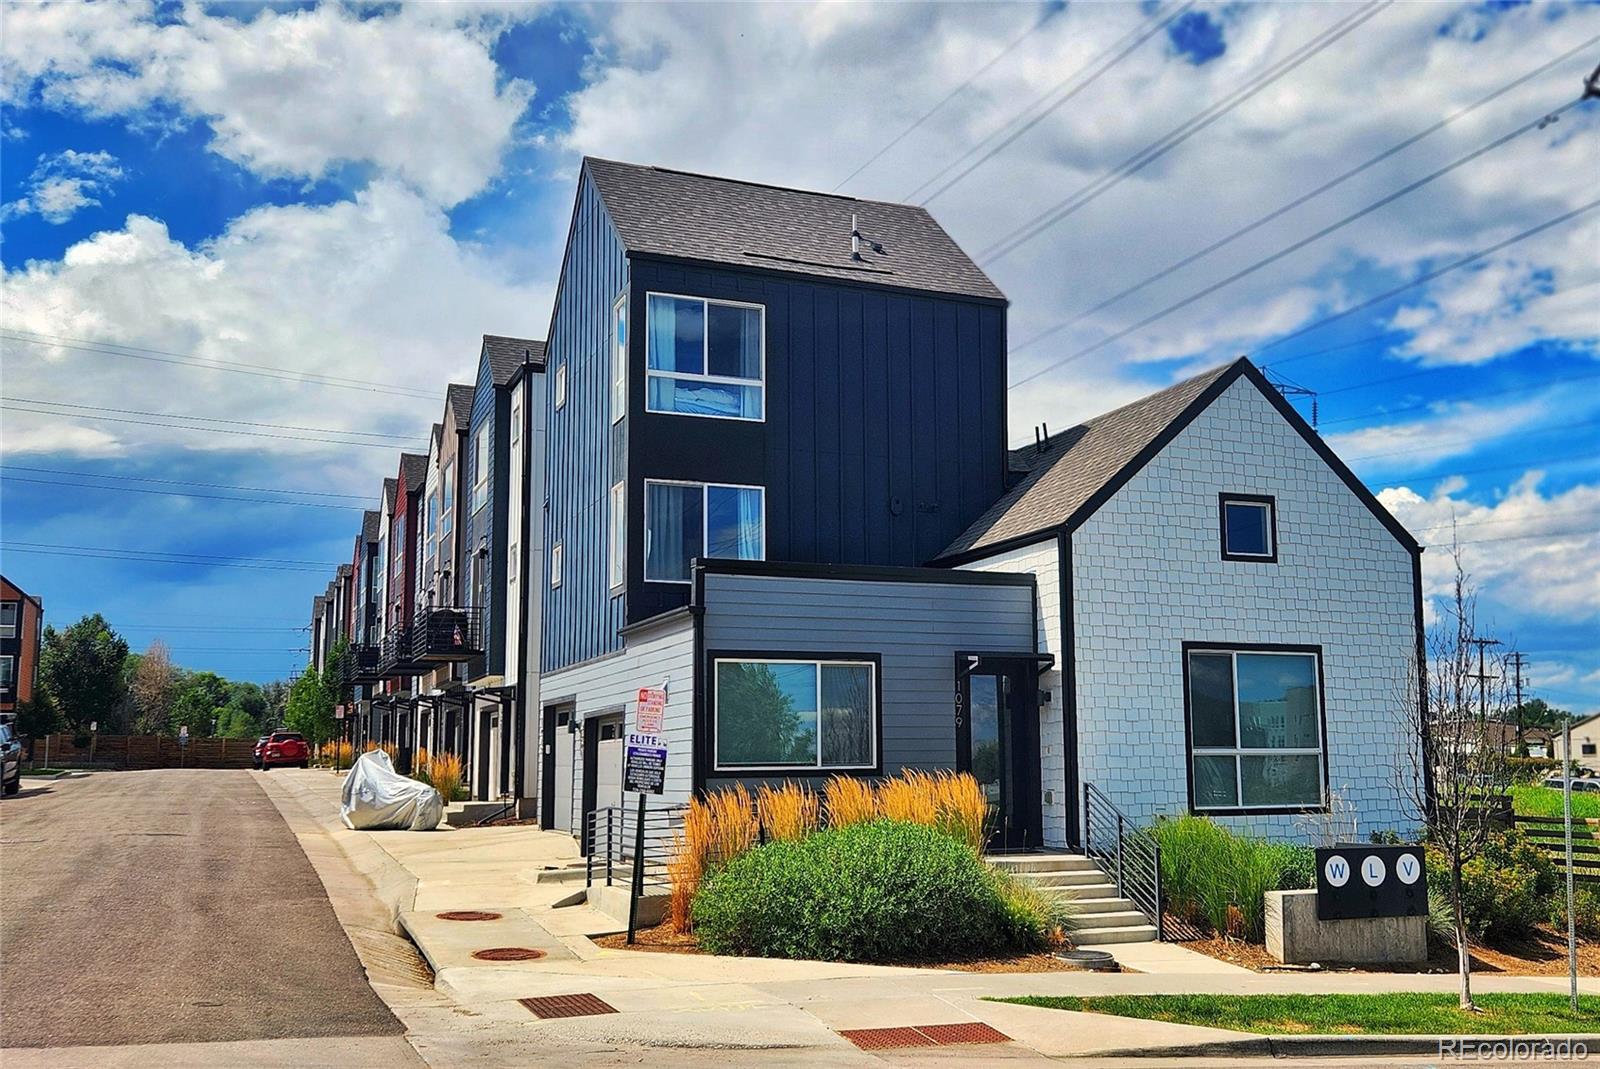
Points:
(1455, 777)
(155, 688)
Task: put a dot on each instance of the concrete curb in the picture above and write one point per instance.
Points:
(1335, 1046)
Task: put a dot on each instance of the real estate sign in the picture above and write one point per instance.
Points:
(1360, 880)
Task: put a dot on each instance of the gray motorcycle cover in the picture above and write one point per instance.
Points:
(378, 797)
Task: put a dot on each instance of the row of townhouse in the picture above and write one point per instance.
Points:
(761, 462)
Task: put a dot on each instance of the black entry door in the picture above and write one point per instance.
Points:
(997, 740)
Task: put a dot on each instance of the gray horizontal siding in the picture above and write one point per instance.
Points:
(916, 628)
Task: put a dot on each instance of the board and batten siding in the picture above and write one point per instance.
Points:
(652, 656)
(1148, 576)
(1042, 560)
(915, 627)
(586, 453)
(487, 526)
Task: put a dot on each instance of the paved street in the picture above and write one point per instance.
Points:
(168, 907)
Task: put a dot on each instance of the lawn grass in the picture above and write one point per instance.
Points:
(1546, 802)
(1386, 1014)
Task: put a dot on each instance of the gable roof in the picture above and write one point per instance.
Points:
(458, 400)
(413, 471)
(1082, 467)
(389, 486)
(505, 357)
(370, 521)
(723, 220)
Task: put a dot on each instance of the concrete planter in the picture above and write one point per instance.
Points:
(1296, 937)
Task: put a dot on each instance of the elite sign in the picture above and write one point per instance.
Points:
(1357, 880)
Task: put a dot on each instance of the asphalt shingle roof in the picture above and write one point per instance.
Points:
(1078, 463)
(505, 356)
(371, 523)
(721, 220)
(388, 494)
(458, 399)
(414, 470)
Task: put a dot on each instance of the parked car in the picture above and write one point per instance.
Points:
(261, 748)
(285, 748)
(10, 760)
(1579, 783)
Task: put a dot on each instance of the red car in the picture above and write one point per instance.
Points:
(283, 748)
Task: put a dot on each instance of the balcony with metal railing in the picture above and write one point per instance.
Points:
(395, 657)
(361, 666)
(441, 634)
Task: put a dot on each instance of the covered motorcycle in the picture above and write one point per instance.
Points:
(377, 797)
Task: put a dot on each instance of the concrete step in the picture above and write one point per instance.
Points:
(1131, 933)
(466, 814)
(1080, 878)
(1083, 905)
(1020, 863)
(1085, 891)
(1122, 918)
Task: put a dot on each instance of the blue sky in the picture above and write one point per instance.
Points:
(283, 186)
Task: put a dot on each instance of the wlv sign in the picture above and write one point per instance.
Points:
(1357, 880)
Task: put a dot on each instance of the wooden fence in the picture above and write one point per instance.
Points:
(143, 751)
(1548, 834)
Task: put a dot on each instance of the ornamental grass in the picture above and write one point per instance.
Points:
(716, 829)
(787, 812)
(444, 772)
(847, 800)
(419, 765)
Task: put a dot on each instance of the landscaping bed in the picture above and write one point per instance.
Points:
(1543, 952)
(1381, 1014)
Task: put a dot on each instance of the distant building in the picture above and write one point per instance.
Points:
(21, 625)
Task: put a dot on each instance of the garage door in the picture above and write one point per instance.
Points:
(608, 768)
(562, 743)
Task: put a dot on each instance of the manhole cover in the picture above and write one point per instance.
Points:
(582, 1005)
(1096, 960)
(508, 954)
(468, 915)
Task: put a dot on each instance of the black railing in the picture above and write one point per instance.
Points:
(609, 835)
(394, 657)
(443, 633)
(361, 665)
(1126, 852)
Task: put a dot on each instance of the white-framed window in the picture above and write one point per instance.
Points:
(398, 559)
(1255, 723)
(555, 565)
(619, 359)
(561, 387)
(683, 521)
(10, 618)
(1249, 527)
(780, 713)
(480, 468)
(617, 535)
(704, 357)
(447, 495)
(516, 419)
(8, 671)
(512, 563)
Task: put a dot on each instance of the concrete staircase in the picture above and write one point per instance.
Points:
(1101, 916)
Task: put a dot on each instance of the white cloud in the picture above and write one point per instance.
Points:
(63, 183)
(373, 289)
(1531, 550)
(1449, 430)
(415, 93)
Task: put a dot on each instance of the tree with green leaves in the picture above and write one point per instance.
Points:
(1538, 713)
(198, 706)
(37, 717)
(309, 709)
(82, 669)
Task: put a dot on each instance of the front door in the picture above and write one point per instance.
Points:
(997, 740)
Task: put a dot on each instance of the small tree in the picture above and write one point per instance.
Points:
(154, 689)
(37, 717)
(310, 708)
(81, 667)
(1456, 775)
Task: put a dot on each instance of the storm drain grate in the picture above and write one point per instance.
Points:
(581, 1005)
(508, 954)
(924, 1035)
(468, 915)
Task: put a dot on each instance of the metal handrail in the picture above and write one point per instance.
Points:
(1126, 852)
(608, 838)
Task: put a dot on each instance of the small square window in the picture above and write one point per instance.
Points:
(1588, 749)
(1249, 527)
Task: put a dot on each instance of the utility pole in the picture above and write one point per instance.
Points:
(1518, 662)
(1482, 677)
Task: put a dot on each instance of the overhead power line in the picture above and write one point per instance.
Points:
(163, 356)
(10, 406)
(1475, 439)
(1178, 135)
(947, 98)
(1089, 72)
(160, 557)
(1498, 391)
(1290, 206)
(119, 477)
(1292, 247)
(212, 419)
(180, 493)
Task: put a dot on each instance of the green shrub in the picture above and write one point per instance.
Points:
(1218, 879)
(1505, 890)
(875, 891)
(1585, 910)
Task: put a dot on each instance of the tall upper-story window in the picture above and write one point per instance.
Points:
(705, 358)
(560, 388)
(683, 521)
(619, 359)
(480, 468)
(447, 503)
(399, 557)
(10, 614)
(617, 535)
(516, 420)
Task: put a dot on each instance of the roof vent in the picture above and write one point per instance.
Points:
(856, 239)
(1041, 438)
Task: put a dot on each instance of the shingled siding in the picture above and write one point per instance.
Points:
(884, 435)
(581, 617)
(1147, 577)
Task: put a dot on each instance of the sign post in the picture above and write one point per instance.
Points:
(644, 769)
(183, 742)
(1566, 821)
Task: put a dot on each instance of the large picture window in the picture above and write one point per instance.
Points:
(1255, 728)
(683, 521)
(705, 358)
(796, 714)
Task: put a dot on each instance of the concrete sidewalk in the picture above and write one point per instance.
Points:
(669, 1001)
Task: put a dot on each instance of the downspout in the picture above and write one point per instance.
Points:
(519, 776)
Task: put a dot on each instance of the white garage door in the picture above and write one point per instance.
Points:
(608, 770)
(563, 758)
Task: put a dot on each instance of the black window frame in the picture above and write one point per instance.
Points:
(708, 723)
(1271, 503)
(1315, 650)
